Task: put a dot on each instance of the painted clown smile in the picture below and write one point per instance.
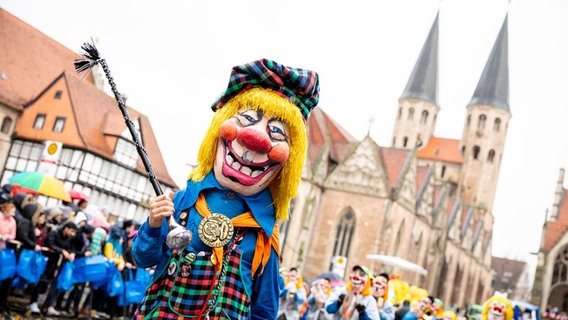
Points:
(237, 168)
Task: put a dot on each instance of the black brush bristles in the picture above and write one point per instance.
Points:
(91, 54)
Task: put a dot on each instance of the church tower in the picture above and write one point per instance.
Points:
(485, 129)
(418, 105)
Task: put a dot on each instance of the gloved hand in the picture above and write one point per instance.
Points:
(360, 308)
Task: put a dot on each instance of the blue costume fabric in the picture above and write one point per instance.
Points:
(149, 247)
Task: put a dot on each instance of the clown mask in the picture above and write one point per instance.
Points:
(497, 311)
(252, 148)
(379, 286)
(358, 280)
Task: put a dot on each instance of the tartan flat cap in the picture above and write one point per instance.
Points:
(300, 86)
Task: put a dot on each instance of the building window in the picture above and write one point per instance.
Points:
(481, 123)
(344, 234)
(399, 113)
(410, 113)
(424, 117)
(39, 121)
(468, 120)
(443, 172)
(497, 125)
(476, 150)
(463, 151)
(125, 152)
(59, 124)
(404, 141)
(6, 125)
(58, 94)
(491, 155)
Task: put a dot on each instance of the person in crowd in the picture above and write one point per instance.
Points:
(449, 315)
(100, 218)
(404, 308)
(80, 245)
(54, 218)
(422, 311)
(59, 241)
(6, 193)
(380, 289)
(8, 225)
(292, 296)
(80, 219)
(7, 233)
(41, 229)
(497, 307)
(355, 300)
(113, 250)
(20, 200)
(319, 292)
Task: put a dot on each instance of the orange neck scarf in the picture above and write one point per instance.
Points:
(245, 220)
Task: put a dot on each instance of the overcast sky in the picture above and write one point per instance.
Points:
(173, 58)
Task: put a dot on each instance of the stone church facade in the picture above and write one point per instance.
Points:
(426, 199)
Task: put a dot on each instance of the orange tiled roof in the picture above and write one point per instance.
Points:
(442, 149)
(322, 127)
(93, 122)
(29, 60)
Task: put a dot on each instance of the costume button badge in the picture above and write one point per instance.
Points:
(230, 195)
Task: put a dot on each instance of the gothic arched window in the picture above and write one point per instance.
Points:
(490, 155)
(497, 125)
(476, 150)
(344, 234)
(410, 113)
(424, 117)
(481, 123)
(404, 141)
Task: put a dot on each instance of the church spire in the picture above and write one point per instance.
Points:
(423, 83)
(493, 86)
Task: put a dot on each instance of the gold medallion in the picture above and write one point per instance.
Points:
(215, 230)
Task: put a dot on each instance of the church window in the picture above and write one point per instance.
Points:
(404, 141)
(6, 125)
(424, 117)
(491, 155)
(399, 113)
(497, 125)
(463, 151)
(481, 123)
(468, 120)
(443, 171)
(476, 151)
(410, 113)
(344, 234)
(39, 121)
(394, 141)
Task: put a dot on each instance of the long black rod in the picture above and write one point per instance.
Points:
(92, 58)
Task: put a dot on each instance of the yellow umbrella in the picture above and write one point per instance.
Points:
(41, 183)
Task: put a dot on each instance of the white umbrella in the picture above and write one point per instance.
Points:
(398, 262)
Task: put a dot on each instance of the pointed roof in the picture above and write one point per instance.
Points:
(322, 127)
(423, 82)
(30, 61)
(493, 86)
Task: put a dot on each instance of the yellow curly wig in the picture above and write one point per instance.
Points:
(285, 186)
(502, 300)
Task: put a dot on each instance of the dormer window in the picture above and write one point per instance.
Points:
(58, 94)
(59, 124)
(39, 121)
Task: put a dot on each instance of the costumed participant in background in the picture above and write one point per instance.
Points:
(319, 293)
(250, 165)
(422, 311)
(292, 296)
(380, 289)
(438, 307)
(355, 300)
(449, 315)
(497, 308)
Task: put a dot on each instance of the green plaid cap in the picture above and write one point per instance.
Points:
(300, 86)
